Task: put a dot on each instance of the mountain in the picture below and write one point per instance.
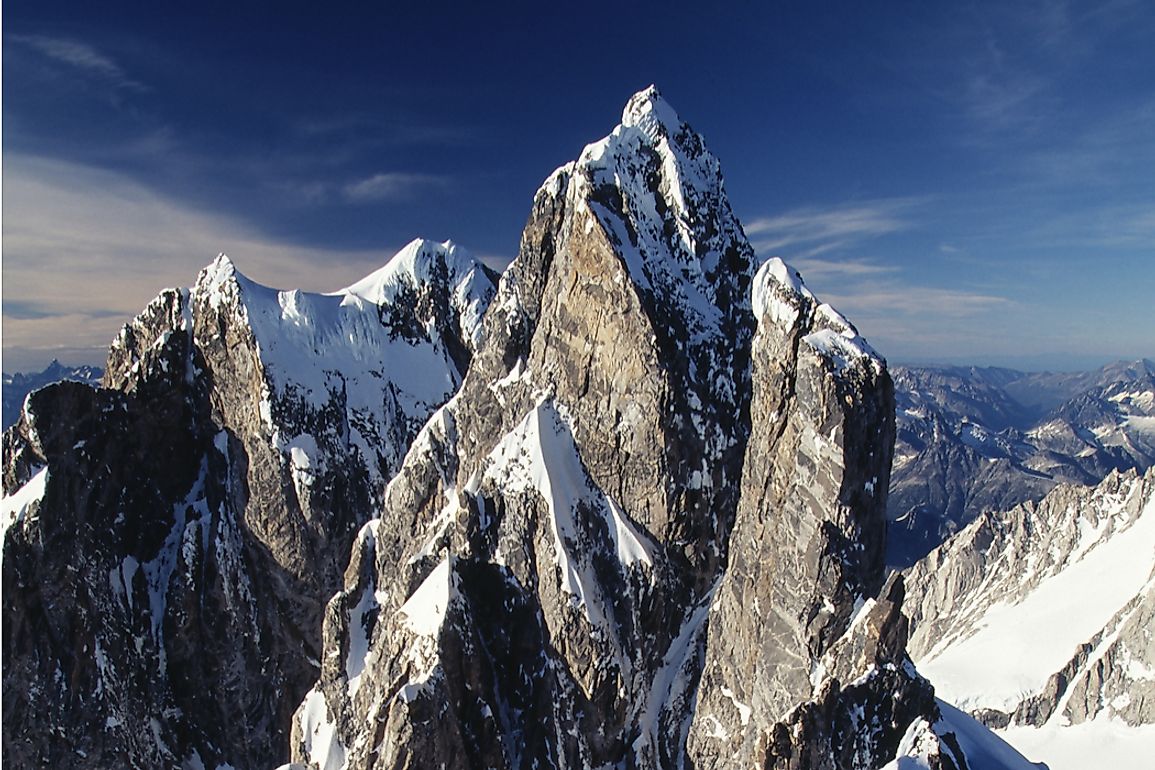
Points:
(972, 439)
(17, 386)
(175, 534)
(1039, 621)
(626, 508)
(648, 531)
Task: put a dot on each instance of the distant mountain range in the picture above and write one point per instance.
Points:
(18, 385)
(972, 439)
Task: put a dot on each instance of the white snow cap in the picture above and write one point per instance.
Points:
(650, 112)
(779, 297)
(417, 261)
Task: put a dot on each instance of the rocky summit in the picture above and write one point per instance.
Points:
(624, 508)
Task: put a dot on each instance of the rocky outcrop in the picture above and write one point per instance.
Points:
(809, 544)
(660, 463)
(180, 529)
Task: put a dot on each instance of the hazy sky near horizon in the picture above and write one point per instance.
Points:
(968, 182)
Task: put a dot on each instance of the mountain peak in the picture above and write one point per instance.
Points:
(417, 260)
(657, 192)
(649, 111)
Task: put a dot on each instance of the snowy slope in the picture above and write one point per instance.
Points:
(1023, 640)
(1037, 620)
(372, 346)
(923, 744)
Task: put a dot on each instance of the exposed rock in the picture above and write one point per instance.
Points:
(651, 443)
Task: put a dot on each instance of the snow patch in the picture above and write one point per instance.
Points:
(322, 744)
(359, 640)
(15, 506)
(540, 454)
(425, 610)
(1017, 647)
(744, 711)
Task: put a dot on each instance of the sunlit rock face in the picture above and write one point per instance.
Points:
(649, 529)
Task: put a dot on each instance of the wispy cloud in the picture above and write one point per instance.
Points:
(81, 57)
(821, 269)
(822, 229)
(908, 321)
(373, 130)
(85, 250)
(923, 302)
(1002, 98)
(390, 186)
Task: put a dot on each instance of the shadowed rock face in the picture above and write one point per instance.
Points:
(164, 586)
(18, 385)
(662, 485)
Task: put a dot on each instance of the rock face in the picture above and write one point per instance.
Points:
(1042, 616)
(172, 537)
(972, 440)
(649, 529)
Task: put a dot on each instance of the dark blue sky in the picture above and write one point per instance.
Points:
(968, 182)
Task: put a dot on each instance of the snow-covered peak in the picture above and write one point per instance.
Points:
(425, 263)
(780, 297)
(420, 261)
(391, 347)
(215, 280)
(778, 294)
(658, 195)
(650, 112)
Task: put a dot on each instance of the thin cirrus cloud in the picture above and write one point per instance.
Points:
(79, 56)
(910, 322)
(908, 319)
(390, 186)
(85, 250)
(816, 268)
(815, 230)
